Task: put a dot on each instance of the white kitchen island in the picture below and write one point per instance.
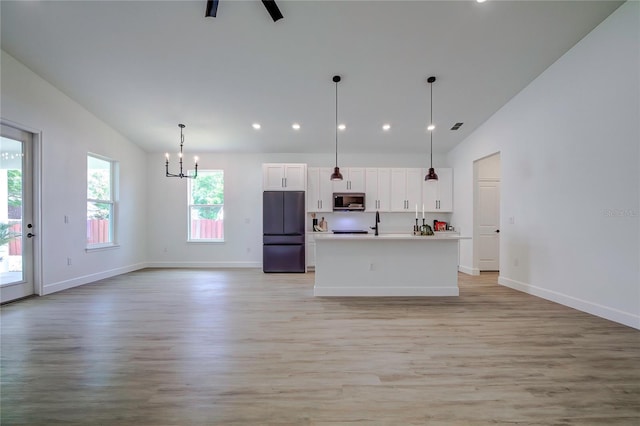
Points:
(386, 265)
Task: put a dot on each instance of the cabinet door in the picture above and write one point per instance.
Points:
(295, 177)
(371, 185)
(341, 185)
(430, 193)
(325, 189)
(313, 189)
(378, 189)
(356, 179)
(398, 190)
(352, 180)
(384, 190)
(414, 189)
(272, 177)
(445, 190)
(310, 248)
(437, 195)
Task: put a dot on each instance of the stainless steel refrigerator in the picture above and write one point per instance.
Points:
(283, 215)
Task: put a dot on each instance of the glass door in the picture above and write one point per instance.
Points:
(16, 214)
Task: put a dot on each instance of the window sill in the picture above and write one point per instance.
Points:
(102, 247)
(205, 241)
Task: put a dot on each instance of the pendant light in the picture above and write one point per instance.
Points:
(336, 175)
(431, 175)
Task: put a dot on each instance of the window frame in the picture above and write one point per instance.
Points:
(112, 202)
(190, 205)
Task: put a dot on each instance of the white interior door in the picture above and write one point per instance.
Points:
(489, 225)
(16, 214)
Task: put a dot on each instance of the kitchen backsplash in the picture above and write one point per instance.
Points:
(389, 222)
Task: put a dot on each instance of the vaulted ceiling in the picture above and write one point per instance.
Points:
(145, 66)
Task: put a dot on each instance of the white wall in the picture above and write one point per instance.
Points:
(167, 197)
(68, 133)
(569, 146)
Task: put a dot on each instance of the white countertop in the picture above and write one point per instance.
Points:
(436, 237)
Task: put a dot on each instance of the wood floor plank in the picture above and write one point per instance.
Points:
(236, 347)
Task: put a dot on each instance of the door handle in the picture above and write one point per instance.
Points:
(30, 235)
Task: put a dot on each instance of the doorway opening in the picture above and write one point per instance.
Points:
(486, 213)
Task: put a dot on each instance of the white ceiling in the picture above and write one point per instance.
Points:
(145, 66)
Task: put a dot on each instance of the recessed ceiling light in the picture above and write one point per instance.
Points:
(342, 126)
(481, 1)
(386, 127)
(295, 126)
(256, 126)
(431, 127)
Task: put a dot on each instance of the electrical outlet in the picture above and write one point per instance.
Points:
(516, 262)
(66, 219)
(68, 261)
(512, 220)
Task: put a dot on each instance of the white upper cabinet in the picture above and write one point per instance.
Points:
(378, 189)
(437, 195)
(319, 189)
(406, 189)
(284, 177)
(352, 180)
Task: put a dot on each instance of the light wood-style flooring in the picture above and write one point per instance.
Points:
(239, 347)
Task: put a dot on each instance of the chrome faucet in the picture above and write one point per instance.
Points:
(377, 222)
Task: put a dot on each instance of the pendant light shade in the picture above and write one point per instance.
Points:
(431, 175)
(336, 175)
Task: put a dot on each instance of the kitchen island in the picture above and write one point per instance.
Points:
(386, 265)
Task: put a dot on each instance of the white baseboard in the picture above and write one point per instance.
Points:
(86, 279)
(469, 271)
(204, 264)
(601, 311)
(384, 291)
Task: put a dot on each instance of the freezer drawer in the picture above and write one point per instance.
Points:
(283, 239)
(283, 258)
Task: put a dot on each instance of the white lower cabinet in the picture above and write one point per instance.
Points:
(310, 247)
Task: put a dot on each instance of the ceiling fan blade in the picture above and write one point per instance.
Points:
(272, 8)
(212, 8)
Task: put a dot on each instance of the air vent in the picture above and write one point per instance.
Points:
(457, 126)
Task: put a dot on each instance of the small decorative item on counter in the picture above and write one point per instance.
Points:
(426, 230)
(322, 227)
(315, 221)
(440, 226)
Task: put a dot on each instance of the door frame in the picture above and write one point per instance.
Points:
(476, 213)
(36, 179)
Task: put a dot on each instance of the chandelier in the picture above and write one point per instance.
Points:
(181, 174)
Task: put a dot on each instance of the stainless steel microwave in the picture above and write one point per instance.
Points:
(348, 201)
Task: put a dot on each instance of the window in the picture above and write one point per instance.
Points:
(100, 201)
(206, 206)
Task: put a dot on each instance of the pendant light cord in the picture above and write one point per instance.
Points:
(336, 124)
(431, 123)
